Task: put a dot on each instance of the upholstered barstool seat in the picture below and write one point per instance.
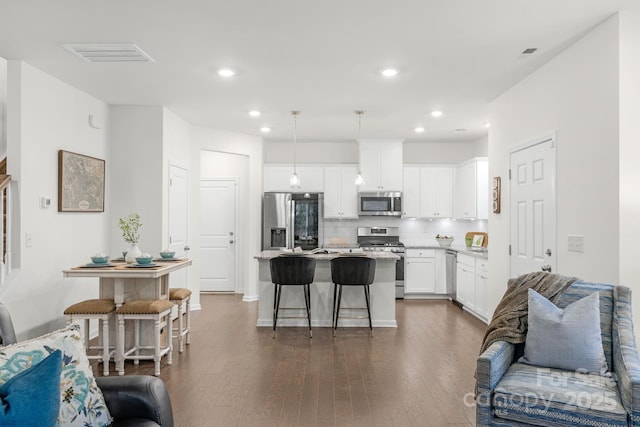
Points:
(181, 297)
(292, 271)
(158, 311)
(352, 271)
(102, 310)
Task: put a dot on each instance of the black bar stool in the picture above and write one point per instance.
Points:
(351, 271)
(288, 270)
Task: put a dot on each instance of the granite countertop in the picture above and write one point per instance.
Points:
(267, 255)
(458, 248)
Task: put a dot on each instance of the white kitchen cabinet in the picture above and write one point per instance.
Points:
(482, 279)
(276, 178)
(472, 189)
(436, 185)
(381, 165)
(428, 191)
(340, 192)
(465, 281)
(420, 271)
(471, 285)
(441, 272)
(411, 192)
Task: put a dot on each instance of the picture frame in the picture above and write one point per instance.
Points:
(81, 182)
(496, 194)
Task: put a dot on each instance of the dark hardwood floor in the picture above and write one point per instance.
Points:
(235, 374)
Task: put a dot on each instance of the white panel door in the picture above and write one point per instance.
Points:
(178, 220)
(532, 206)
(217, 235)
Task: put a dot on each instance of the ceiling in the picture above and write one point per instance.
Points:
(320, 57)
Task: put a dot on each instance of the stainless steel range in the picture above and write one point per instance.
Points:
(385, 239)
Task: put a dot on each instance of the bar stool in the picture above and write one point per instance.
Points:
(292, 271)
(351, 271)
(157, 310)
(103, 310)
(181, 297)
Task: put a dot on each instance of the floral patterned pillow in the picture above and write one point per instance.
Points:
(81, 401)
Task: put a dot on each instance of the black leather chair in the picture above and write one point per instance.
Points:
(351, 271)
(134, 400)
(292, 271)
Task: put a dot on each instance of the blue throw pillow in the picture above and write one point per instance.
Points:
(32, 397)
(567, 339)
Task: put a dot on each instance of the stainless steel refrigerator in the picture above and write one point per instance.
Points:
(292, 220)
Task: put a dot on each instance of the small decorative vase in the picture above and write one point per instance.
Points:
(134, 252)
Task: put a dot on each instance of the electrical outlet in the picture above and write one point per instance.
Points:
(576, 243)
(28, 240)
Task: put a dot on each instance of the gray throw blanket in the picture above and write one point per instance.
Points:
(509, 322)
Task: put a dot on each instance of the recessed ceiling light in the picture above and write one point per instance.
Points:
(226, 72)
(419, 129)
(389, 72)
(265, 129)
(487, 124)
(529, 50)
(254, 113)
(436, 113)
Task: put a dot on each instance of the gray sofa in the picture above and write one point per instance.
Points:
(134, 400)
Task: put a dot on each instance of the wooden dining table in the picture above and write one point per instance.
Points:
(124, 282)
(128, 282)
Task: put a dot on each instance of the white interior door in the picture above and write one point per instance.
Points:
(532, 206)
(178, 220)
(217, 235)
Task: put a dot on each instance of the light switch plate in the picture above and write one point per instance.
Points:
(576, 243)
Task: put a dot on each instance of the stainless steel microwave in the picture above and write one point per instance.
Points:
(380, 203)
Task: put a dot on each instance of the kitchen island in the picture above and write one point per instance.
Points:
(383, 300)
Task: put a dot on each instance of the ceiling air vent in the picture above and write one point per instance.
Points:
(529, 51)
(108, 52)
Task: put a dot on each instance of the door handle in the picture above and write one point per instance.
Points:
(230, 241)
(548, 252)
(546, 268)
(187, 248)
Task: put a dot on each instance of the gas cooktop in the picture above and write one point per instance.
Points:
(380, 239)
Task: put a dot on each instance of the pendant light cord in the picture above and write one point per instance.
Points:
(295, 137)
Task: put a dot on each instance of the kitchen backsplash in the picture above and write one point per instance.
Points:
(413, 232)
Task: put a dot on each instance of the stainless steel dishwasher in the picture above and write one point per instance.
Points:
(452, 265)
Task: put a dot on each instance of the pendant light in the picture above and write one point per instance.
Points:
(359, 178)
(294, 181)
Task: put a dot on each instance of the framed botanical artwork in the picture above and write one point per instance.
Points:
(80, 183)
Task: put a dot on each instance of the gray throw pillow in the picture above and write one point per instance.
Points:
(565, 339)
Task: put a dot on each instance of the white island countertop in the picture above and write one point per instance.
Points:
(267, 255)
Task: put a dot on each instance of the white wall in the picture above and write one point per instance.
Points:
(3, 108)
(480, 148)
(45, 115)
(347, 152)
(205, 139)
(576, 95)
(137, 163)
(630, 155)
(311, 152)
(218, 165)
(437, 152)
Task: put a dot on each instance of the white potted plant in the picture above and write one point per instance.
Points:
(130, 227)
